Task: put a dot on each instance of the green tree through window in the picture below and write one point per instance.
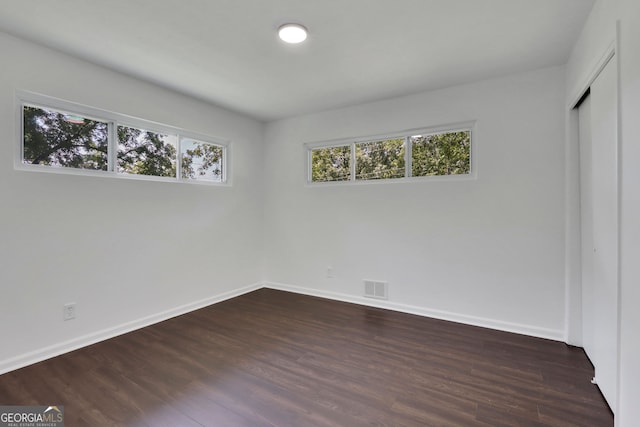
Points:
(331, 164)
(201, 160)
(380, 159)
(432, 154)
(66, 140)
(146, 153)
(57, 139)
(441, 154)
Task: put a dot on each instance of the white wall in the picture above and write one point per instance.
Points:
(598, 33)
(127, 252)
(629, 398)
(488, 251)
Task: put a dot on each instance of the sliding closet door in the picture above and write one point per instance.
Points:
(586, 213)
(600, 229)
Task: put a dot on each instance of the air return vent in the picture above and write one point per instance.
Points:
(375, 289)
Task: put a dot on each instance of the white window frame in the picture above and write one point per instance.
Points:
(113, 120)
(469, 126)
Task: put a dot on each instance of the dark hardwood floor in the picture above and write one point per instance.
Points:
(272, 358)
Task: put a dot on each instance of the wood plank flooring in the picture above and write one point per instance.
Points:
(272, 358)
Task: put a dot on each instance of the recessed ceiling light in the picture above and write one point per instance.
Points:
(292, 33)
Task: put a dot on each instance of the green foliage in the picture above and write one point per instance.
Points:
(145, 153)
(56, 139)
(380, 159)
(441, 154)
(331, 164)
(202, 159)
(50, 138)
(431, 155)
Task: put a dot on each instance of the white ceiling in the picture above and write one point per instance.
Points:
(227, 52)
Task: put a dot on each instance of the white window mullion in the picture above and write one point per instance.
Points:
(309, 165)
(224, 162)
(407, 157)
(353, 161)
(179, 158)
(112, 147)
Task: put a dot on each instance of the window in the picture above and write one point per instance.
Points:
(431, 152)
(331, 164)
(142, 152)
(201, 160)
(56, 138)
(60, 136)
(380, 159)
(446, 153)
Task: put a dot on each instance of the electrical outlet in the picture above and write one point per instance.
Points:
(329, 272)
(69, 311)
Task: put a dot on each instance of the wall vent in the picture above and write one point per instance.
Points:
(375, 289)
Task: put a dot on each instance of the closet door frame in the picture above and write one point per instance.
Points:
(573, 228)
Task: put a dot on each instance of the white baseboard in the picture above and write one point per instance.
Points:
(534, 331)
(105, 334)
